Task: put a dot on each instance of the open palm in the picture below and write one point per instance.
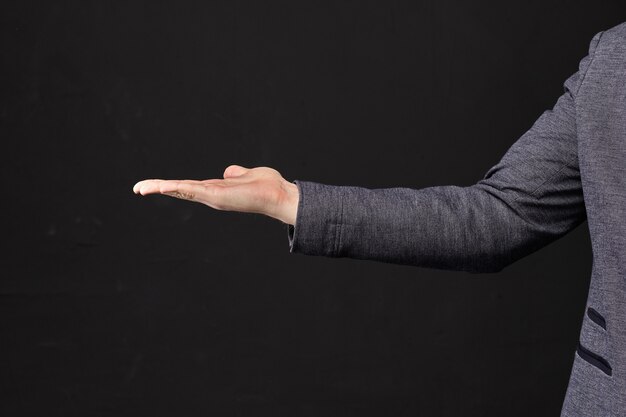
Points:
(251, 190)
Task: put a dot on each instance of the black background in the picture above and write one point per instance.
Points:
(112, 304)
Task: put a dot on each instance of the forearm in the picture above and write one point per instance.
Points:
(475, 228)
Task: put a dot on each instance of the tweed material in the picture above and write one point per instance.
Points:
(570, 166)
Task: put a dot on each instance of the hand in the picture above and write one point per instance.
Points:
(250, 190)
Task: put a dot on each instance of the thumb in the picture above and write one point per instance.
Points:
(234, 171)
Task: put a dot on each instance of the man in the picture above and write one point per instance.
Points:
(570, 166)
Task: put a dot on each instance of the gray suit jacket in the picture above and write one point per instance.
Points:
(570, 166)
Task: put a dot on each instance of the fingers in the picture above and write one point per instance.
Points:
(186, 190)
(234, 171)
(156, 186)
(146, 186)
(151, 186)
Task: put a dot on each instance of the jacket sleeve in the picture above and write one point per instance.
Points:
(530, 198)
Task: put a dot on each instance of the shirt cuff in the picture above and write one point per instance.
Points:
(318, 225)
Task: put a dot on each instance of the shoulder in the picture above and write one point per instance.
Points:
(610, 39)
(617, 31)
(603, 68)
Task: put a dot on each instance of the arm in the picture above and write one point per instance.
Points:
(530, 198)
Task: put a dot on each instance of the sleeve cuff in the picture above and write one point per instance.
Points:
(318, 226)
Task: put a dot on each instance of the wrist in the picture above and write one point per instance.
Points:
(287, 207)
